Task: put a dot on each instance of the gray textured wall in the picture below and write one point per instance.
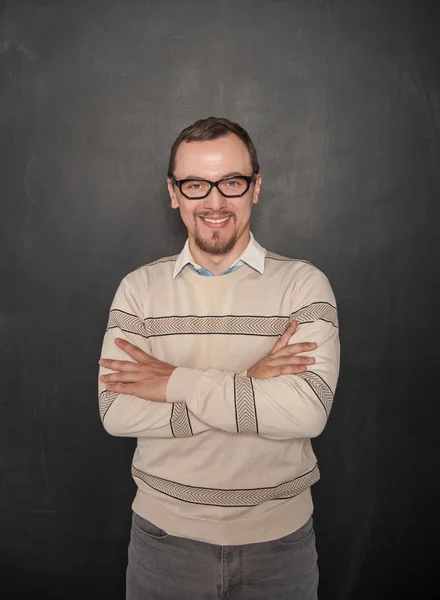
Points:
(342, 100)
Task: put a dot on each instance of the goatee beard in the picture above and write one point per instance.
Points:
(214, 246)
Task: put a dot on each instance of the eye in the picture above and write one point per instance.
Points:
(195, 186)
(234, 184)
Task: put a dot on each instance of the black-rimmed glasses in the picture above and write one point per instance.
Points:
(233, 186)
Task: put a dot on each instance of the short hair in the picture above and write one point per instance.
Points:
(212, 128)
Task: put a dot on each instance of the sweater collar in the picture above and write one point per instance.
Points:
(254, 255)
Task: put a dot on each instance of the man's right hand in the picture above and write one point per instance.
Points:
(284, 359)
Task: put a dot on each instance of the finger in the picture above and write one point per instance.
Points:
(122, 388)
(121, 377)
(135, 352)
(291, 369)
(283, 370)
(285, 337)
(119, 365)
(292, 360)
(295, 349)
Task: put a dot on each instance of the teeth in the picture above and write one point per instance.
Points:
(216, 220)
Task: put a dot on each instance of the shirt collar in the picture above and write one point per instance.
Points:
(254, 255)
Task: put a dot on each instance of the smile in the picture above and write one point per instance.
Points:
(216, 223)
(215, 220)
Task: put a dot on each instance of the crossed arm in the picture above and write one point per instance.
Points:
(286, 394)
(147, 378)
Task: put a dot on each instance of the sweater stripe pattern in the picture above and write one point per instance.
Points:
(227, 459)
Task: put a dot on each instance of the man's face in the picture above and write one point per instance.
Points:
(214, 160)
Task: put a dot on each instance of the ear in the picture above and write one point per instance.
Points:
(172, 193)
(257, 187)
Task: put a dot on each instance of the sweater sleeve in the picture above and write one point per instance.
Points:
(284, 407)
(124, 414)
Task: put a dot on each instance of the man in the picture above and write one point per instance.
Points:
(222, 410)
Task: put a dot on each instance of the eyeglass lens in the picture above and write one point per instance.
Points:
(198, 188)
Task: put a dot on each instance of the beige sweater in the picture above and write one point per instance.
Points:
(228, 458)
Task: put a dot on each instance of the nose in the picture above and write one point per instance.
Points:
(215, 201)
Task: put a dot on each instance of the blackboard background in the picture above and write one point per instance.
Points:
(342, 100)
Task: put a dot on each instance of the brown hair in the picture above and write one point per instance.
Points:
(209, 129)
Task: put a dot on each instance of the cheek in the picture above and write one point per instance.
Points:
(187, 215)
(243, 211)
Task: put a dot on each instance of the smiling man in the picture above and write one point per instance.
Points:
(218, 222)
(223, 362)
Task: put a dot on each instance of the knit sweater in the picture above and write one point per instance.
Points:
(227, 459)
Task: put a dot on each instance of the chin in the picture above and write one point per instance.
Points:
(215, 246)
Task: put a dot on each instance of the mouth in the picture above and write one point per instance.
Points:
(218, 223)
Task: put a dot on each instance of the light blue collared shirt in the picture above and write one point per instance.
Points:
(254, 256)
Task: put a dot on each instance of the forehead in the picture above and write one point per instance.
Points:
(212, 159)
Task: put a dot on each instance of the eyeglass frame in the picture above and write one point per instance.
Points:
(180, 182)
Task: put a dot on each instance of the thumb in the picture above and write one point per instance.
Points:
(285, 337)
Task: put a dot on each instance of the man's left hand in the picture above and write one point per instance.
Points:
(145, 378)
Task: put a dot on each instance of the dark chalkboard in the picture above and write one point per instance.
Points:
(342, 101)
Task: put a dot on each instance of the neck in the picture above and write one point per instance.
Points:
(218, 263)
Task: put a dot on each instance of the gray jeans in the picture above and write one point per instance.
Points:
(165, 567)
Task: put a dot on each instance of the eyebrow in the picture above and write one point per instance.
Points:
(233, 174)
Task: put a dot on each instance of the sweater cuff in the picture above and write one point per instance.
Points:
(182, 383)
